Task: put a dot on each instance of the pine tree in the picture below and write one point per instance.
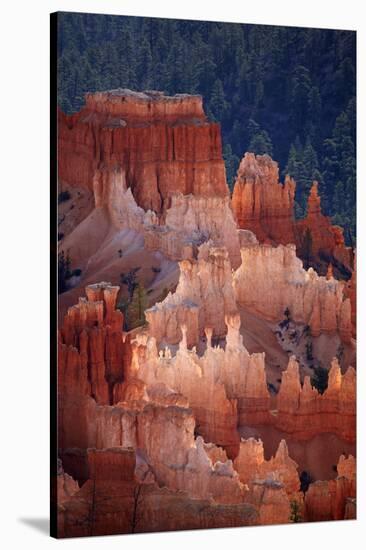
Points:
(137, 306)
(268, 74)
(295, 516)
(231, 165)
(218, 104)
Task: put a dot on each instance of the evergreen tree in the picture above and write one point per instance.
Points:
(231, 165)
(137, 306)
(218, 104)
(260, 143)
(297, 84)
(295, 516)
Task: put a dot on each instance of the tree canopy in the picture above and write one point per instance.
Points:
(286, 91)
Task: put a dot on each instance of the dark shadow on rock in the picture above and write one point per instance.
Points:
(40, 524)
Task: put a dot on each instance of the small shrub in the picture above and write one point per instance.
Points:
(156, 269)
(130, 280)
(320, 379)
(63, 196)
(295, 515)
(77, 272)
(284, 324)
(60, 236)
(120, 253)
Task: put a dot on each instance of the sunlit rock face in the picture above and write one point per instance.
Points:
(192, 220)
(261, 203)
(203, 297)
(324, 237)
(304, 412)
(225, 387)
(272, 279)
(163, 143)
(171, 421)
(149, 420)
(252, 466)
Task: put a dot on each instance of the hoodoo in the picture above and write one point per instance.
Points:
(261, 203)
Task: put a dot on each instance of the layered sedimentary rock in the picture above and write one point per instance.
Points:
(203, 297)
(350, 292)
(66, 485)
(225, 387)
(265, 206)
(261, 203)
(93, 332)
(92, 355)
(110, 191)
(252, 466)
(319, 236)
(192, 220)
(114, 501)
(155, 139)
(334, 499)
(304, 412)
(164, 434)
(272, 279)
(271, 500)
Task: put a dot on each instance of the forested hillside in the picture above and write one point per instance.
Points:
(289, 92)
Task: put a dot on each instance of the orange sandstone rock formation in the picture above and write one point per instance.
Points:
(252, 466)
(270, 498)
(270, 280)
(114, 501)
(261, 203)
(203, 296)
(303, 412)
(190, 221)
(95, 328)
(164, 144)
(334, 499)
(225, 387)
(265, 206)
(325, 238)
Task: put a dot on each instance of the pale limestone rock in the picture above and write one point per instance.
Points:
(203, 297)
(270, 280)
(192, 220)
(252, 466)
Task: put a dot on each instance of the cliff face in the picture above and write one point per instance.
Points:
(265, 206)
(155, 139)
(225, 387)
(303, 412)
(192, 220)
(334, 499)
(252, 466)
(271, 279)
(115, 500)
(261, 203)
(135, 417)
(203, 296)
(317, 234)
